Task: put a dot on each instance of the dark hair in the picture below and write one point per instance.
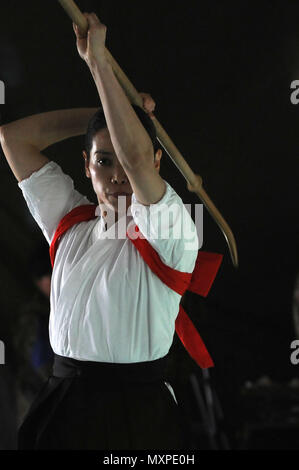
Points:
(98, 122)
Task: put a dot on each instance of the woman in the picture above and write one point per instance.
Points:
(112, 320)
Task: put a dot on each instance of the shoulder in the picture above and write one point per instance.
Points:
(169, 228)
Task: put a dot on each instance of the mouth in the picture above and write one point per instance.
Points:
(119, 194)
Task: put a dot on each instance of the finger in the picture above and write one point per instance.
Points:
(93, 19)
(152, 105)
(149, 104)
(144, 95)
(87, 16)
(148, 101)
(75, 28)
(77, 32)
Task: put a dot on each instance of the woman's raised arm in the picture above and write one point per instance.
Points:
(23, 140)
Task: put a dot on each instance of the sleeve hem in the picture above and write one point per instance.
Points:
(155, 204)
(37, 173)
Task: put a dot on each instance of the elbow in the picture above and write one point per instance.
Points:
(4, 134)
(2, 131)
(134, 159)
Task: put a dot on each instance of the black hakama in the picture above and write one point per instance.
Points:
(104, 406)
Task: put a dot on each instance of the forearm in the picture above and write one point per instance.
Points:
(130, 140)
(45, 129)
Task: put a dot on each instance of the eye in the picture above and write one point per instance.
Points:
(104, 161)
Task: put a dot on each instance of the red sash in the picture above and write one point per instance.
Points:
(199, 282)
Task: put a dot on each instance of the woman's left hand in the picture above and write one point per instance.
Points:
(148, 103)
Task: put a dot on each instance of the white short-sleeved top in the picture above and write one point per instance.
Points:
(106, 304)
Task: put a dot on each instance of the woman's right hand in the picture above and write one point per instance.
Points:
(91, 47)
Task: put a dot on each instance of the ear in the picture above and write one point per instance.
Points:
(85, 156)
(158, 156)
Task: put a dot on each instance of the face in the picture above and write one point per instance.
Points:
(106, 173)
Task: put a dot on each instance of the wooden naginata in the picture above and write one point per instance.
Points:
(194, 181)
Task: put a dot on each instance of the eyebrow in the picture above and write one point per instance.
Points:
(103, 152)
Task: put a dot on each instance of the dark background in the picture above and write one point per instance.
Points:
(220, 73)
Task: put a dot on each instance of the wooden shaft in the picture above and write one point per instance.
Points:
(222, 224)
(194, 182)
(75, 14)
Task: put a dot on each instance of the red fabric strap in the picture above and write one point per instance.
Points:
(199, 282)
(191, 340)
(176, 280)
(77, 215)
(204, 273)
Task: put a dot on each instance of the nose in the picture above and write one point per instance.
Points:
(119, 176)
